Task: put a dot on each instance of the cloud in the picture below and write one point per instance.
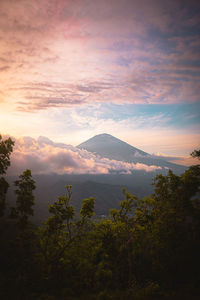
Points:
(181, 160)
(166, 157)
(44, 95)
(44, 156)
(88, 52)
(4, 68)
(186, 161)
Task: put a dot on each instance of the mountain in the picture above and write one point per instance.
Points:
(108, 146)
(111, 147)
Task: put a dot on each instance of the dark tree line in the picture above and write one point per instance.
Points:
(147, 249)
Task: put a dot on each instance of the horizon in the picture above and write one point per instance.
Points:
(73, 70)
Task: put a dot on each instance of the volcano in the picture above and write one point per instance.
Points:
(108, 146)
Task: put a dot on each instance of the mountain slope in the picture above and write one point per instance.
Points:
(106, 145)
(106, 191)
(111, 147)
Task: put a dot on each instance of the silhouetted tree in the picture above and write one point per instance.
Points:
(25, 198)
(6, 148)
(196, 154)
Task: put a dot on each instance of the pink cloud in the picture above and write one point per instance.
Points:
(45, 156)
(77, 46)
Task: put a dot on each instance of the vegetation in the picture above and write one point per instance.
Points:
(147, 249)
(25, 198)
(6, 147)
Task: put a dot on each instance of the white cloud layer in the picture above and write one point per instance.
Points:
(44, 156)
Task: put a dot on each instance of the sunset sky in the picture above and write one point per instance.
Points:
(71, 69)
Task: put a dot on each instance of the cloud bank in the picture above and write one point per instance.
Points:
(43, 156)
(66, 53)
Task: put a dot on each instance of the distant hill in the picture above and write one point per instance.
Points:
(106, 192)
(106, 145)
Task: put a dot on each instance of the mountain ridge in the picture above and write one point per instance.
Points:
(108, 140)
(108, 146)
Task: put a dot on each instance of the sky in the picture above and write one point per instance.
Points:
(71, 69)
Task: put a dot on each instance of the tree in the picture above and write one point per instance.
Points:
(25, 198)
(60, 239)
(132, 222)
(196, 154)
(176, 226)
(6, 148)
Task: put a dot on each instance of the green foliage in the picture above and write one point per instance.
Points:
(196, 154)
(176, 225)
(87, 210)
(25, 198)
(61, 209)
(56, 235)
(6, 148)
(3, 190)
(61, 241)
